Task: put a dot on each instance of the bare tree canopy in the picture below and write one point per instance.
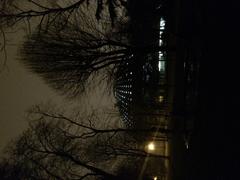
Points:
(45, 14)
(58, 147)
(68, 55)
(13, 11)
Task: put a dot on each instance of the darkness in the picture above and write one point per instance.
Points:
(212, 26)
(215, 150)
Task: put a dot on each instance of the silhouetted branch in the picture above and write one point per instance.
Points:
(60, 147)
(12, 13)
(90, 131)
(3, 50)
(70, 57)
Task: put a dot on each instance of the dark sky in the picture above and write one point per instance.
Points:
(20, 89)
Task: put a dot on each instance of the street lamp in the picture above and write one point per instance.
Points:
(151, 146)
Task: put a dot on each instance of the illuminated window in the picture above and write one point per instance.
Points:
(161, 56)
(161, 65)
(162, 24)
(160, 42)
(160, 34)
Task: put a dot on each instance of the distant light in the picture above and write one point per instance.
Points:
(160, 98)
(159, 7)
(160, 56)
(151, 146)
(187, 144)
(162, 24)
(160, 42)
(161, 65)
(155, 178)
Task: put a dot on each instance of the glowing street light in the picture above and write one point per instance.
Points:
(151, 146)
(155, 178)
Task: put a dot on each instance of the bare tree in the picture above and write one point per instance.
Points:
(59, 147)
(44, 14)
(68, 55)
(13, 12)
(70, 47)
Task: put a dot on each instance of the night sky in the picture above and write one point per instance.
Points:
(20, 89)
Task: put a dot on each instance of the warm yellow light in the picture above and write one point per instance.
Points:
(155, 178)
(151, 146)
(160, 98)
